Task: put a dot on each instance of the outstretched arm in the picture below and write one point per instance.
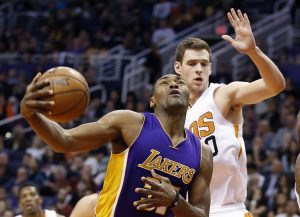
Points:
(297, 166)
(272, 81)
(112, 127)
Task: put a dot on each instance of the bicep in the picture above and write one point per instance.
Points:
(297, 173)
(199, 194)
(89, 136)
(245, 93)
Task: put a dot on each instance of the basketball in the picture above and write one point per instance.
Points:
(70, 93)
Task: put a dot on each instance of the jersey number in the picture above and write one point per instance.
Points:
(204, 128)
(158, 210)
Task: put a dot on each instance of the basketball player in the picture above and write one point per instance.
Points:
(215, 113)
(30, 203)
(297, 167)
(155, 161)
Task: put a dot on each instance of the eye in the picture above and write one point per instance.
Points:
(163, 83)
(191, 64)
(204, 64)
(180, 82)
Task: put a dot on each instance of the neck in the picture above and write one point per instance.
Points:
(195, 95)
(173, 122)
(40, 213)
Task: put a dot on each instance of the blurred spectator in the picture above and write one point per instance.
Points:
(163, 34)
(8, 213)
(162, 9)
(291, 210)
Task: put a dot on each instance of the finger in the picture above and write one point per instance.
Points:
(40, 94)
(143, 201)
(36, 78)
(231, 20)
(234, 15)
(40, 105)
(40, 85)
(227, 38)
(147, 192)
(152, 183)
(145, 206)
(246, 19)
(242, 20)
(159, 177)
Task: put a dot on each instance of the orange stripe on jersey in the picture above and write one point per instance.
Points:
(248, 214)
(236, 130)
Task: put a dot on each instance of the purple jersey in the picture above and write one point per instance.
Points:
(152, 149)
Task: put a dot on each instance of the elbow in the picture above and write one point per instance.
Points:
(60, 149)
(62, 145)
(279, 87)
(282, 85)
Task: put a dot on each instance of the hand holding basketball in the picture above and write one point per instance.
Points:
(61, 94)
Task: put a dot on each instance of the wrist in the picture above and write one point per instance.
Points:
(253, 52)
(176, 200)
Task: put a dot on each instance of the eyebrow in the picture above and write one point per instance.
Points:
(197, 60)
(167, 76)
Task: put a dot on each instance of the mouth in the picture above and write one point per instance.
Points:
(199, 79)
(175, 93)
(28, 205)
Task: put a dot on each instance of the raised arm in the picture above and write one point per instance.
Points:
(297, 166)
(272, 81)
(115, 126)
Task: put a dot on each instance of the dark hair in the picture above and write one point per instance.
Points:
(192, 44)
(28, 184)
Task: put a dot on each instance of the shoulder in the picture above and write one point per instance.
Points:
(125, 113)
(232, 88)
(122, 116)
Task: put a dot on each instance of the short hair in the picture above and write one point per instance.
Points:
(192, 44)
(28, 184)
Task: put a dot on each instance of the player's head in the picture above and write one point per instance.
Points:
(170, 92)
(30, 200)
(193, 63)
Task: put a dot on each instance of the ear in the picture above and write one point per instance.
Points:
(152, 102)
(177, 67)
(210, 70)
(40, 200)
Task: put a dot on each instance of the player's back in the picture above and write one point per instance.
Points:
(229, 178)
(152, 149)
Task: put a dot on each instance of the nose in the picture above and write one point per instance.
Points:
(173, 84)
(198, 68)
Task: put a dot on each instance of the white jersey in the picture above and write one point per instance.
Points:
(48, 213)
(229, 179)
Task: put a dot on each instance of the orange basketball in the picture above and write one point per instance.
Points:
(71, 93)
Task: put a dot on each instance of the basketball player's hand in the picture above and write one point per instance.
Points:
(32, 100)
(244, 41)
(161, 194)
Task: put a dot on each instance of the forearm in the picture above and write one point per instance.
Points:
(297, 174)
(269, 72)
(185, 209)
(49, 131)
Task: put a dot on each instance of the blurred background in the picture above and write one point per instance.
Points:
(121, 47)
